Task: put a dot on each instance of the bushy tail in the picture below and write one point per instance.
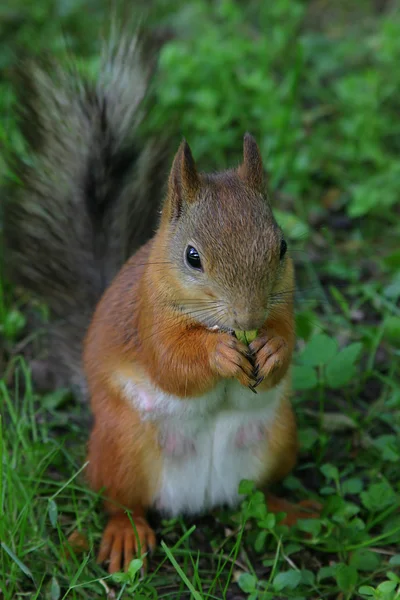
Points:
(88, 195)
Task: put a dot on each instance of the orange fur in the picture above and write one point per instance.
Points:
(123, 454)
(138, 331)
(282, 444)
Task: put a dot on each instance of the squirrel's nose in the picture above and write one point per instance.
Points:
(248, 319)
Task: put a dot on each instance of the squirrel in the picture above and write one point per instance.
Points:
(183, 410)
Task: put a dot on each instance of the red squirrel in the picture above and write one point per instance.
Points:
(183, 410)
(177, 424)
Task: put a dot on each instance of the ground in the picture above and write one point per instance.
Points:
(318, 85)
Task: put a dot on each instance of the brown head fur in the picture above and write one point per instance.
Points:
(228, 219)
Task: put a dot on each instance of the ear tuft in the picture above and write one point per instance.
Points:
(184, 183)
(189, 177)
(251, 170)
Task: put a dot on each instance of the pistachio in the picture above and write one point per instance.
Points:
(246, 336)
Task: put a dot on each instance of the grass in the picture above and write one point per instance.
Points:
(318, 86)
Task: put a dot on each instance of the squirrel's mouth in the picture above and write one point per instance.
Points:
(224, 329)
(217, 319)
(205, 317)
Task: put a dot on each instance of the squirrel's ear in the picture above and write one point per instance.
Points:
(251, 170)
(183, 183)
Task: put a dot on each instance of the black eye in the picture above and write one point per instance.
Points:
(283, 249)
(193, 258)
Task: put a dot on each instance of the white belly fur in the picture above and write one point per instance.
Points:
(210, 473)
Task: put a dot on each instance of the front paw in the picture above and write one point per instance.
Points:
(272, 358)
(232, 359)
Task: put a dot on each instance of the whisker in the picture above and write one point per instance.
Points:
(172, 318)
(294, 290)
(217, 319)
(209, 302)
(193, 312)
(205, 314)
(161, 331)
(302, 300)
(158, 262)
(190, 314)
(318, 286)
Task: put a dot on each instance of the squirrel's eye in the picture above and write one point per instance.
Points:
(193, 258)
(283, 249)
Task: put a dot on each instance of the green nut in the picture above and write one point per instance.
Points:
(246, 336)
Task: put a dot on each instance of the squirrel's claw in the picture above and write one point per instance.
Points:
(121, 541)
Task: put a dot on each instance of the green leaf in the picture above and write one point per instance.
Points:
(258, 511)
(327, 490)
(247, 582)
(17, 561)
(389, 447)
(246, 487)
(312, 526)
(304, 378)
(387, 587)
(346, 577)
(292, 548)
(392, 260)
(395, 560)
(292, 483)
(319, 350)
(378, 496)
(290, 580)
(337, 378)
(365, 560)
(330, 472)
(13, 324)
(53, 512)
(308, 437)
(269, 522)
(260, 541)
(56, 399)
(258, 498)
(392, 290)
(394, 400)
(305, 324)
(392, 330)
(366, 590)
(352, 486)
(375, 191)
(307, 577)
(325, 573)
(356, 525)
(340, 370)
(55, 591)
(350, 509)
(392, 528)
(120, 578)
(134, 567)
